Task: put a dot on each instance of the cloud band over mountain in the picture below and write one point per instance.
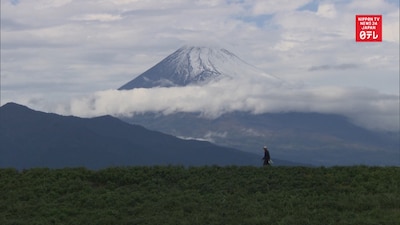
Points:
(366, 107)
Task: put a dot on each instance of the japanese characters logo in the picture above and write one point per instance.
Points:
(368, 28)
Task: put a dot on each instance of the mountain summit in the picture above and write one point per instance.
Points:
(193, 65)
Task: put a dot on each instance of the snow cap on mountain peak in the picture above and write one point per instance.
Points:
(194, 65)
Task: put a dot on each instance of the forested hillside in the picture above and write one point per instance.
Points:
(201, 195)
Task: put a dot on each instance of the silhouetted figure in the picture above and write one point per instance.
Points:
(267, 157)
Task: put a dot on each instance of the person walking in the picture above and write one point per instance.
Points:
(267, 157)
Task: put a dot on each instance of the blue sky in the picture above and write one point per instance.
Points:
(54, 52)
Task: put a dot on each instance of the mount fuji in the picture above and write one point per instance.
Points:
(194, 65)
(303, 137)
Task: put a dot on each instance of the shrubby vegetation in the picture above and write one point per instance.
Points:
(201, 195)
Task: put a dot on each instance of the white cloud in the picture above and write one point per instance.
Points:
(51, 4)
(326, 10)
(390, 27)
(271, 7)
(102, 17)
(366, 107)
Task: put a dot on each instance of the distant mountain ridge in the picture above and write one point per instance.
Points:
(195, 65)
(31, 138)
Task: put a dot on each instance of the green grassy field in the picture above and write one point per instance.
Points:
(201, 195)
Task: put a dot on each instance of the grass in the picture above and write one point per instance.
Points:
(201, 195)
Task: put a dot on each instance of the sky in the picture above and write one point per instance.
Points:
(69, 56)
